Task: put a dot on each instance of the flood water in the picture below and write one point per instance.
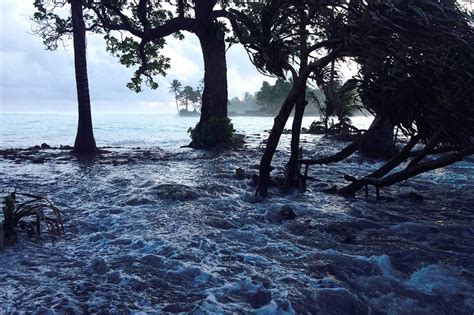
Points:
(151, 227)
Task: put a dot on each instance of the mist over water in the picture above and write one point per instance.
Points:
(164, 229)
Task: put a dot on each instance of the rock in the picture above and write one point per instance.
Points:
(1, 237)
(176, 192)
(260, 298)
(221, 224)
(278, 215)
(240, 173)
(33, 148)
(152, 260)
(117, 162)
(39, 159)
(98, 266)
(114, 277)
(45, 146)
(338, 301)
(138, 285)
(412, 195)
(174, 308)
(255, 178)
(65, 147)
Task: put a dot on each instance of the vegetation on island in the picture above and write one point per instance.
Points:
(186, 98)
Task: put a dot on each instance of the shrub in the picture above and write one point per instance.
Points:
(214, 132)
(317, 127)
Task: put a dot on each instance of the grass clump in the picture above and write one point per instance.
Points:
(30, 213)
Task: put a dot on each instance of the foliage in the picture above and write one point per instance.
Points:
(136, 31)
(270, 97)
(190, 96)
(175, 88)
(19, 207)
(54, 23)
(212, 132)
(423, 88)
(186, 96)
(131, 52)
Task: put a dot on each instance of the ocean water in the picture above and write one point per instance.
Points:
(160, 229)
(125, 130)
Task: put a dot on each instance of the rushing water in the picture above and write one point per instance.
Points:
(164, 229)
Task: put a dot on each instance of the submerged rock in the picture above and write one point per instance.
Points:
(65, 147)
(176, 192)
(240, 173)
(137, 285)
(278, 215)
(338, 301)
(114, 277)
(98, 266)
(413, 196)
(39, 158)
(221, 224)
(260, 298)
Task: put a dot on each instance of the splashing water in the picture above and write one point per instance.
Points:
(172, 230)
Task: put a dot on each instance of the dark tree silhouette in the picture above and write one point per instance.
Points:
(150, 23)
(274, 36)
(85, 142)
(175, 88)
(405, 80)
(52, 27)
(421, 88)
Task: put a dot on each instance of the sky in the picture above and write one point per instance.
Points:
(36, 80)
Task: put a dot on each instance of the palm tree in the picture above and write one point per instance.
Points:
(52, 27)
(85, 142)
(176, 88)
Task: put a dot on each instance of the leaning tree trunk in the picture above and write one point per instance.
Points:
(381, 144)
(293, 176)
(214, 95)
(85, 142)
(299, 86)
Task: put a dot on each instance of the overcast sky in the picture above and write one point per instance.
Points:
(36, 80)
(33, 79)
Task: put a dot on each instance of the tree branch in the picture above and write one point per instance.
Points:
(417, 169)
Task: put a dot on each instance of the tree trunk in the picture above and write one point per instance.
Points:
(176, 100)
(293, 176)
(214, 95)
(85, 142)
(277, 129)
(381, 144)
